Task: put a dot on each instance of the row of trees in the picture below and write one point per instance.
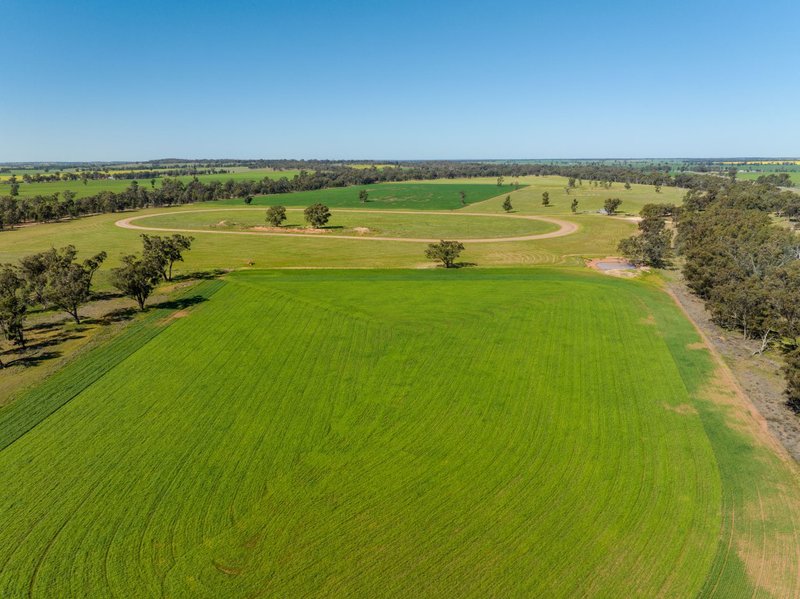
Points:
(779, 179)
(56, 280)
(94, 175)
(316, 215)
(53, 279)
(744, 267)
(172, 191)
(140, 274)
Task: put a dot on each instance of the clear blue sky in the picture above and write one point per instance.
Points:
(370, 79)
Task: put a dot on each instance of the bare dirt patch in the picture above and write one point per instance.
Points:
(625, 273)
(757, 376)
(288, 230)
(361, 230)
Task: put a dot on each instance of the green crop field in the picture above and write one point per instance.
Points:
(395, 433)
(407, 432)
(411, 196)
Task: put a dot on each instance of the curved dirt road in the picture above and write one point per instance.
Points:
(565, 227)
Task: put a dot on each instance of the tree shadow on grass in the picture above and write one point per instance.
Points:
(29, 360)
(119, 315)
(47, 326)
(52, 341)
(457, 265)
(205, 275)
(182, 303)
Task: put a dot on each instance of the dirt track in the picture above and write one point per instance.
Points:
(566, 227)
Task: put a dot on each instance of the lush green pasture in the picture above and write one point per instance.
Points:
(354, 222)
(410, 196)
(590, 199)
(394, 433)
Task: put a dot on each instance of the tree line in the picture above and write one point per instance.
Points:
(97, 175)
(736, 258)
(172, 191)
(56, 280)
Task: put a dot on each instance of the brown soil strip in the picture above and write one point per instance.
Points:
(756, 377)
(770, 556)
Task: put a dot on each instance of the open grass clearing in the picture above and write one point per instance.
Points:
(396, 433)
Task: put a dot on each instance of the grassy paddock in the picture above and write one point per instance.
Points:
(408, 196)
(467, 433)
(597, 236)
(366, 224)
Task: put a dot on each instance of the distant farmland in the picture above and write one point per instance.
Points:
(396, 433)
(95, 186)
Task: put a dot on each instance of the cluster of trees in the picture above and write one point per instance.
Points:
(56, 279)
(316, 215)
(778, 179)
(51, 279)
(744, 267)
(652, 246)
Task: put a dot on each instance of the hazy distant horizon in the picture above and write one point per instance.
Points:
(390, 160)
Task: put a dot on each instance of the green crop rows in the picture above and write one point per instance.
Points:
(396, 433)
